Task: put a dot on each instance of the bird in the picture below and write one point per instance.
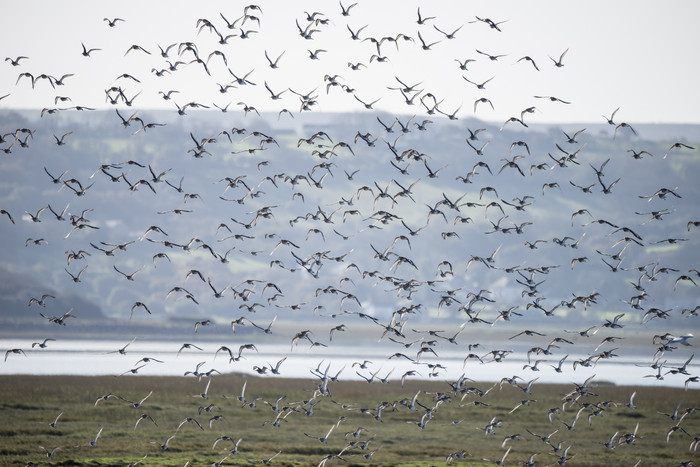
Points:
(138, 404)
(42, 345)
(40, 301)
(205, 394)
(624, 125)
(9, 216)
(164, 446)
(558, 368)
(16, 61)
(93, 443)
(424, 45)
(54, 423)
(144, 416)
(607, 189)
(452, 116)
(35, 217)
(188, 346)
(50, 453)
(268, 329)
(683, 340)
(87, 52)
(423, 19)
(136, 47)
(129, 277)
(345, 11)
(269, 459)
(529, 59)
(189, 420)
(572, 139)
(369, 105)
(76, 278)
(113, 22)
(503, 457)
(553, 99)
(481, 85)
(60, 141)
(313, 54)
(611, 118)
(677, 145)
(483, 100)
(123, 349)
(323, 438)
(448, 35)
(275, 369)
(559, 63)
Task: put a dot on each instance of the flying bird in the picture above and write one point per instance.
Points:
(559, 63)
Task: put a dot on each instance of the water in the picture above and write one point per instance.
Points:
(100, 357)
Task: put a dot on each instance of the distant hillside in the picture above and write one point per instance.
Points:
(330, 209)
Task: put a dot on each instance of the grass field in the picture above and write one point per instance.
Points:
(458, 423)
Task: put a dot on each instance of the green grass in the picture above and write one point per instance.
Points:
(30, 403)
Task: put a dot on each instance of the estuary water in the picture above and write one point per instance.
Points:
(101, 357)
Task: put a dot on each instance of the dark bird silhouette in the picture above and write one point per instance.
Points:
(448, 35)
(40, 301)
(677, 145)
(423, 19)
(559, 63)
(529, 59)
(624, 125)
(87, 52)
(129, 277)
(424, 45)
(9, 216)
(553, 99)
(493, 58)
(16, 61)
(113, 22)
(612, 116)
(76, 278)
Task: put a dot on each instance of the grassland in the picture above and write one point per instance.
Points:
(31, 403)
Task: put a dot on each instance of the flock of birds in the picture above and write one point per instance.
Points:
(398, 201)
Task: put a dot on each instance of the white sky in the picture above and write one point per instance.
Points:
(640, 56)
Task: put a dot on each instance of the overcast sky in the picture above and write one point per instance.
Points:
(640, 56)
